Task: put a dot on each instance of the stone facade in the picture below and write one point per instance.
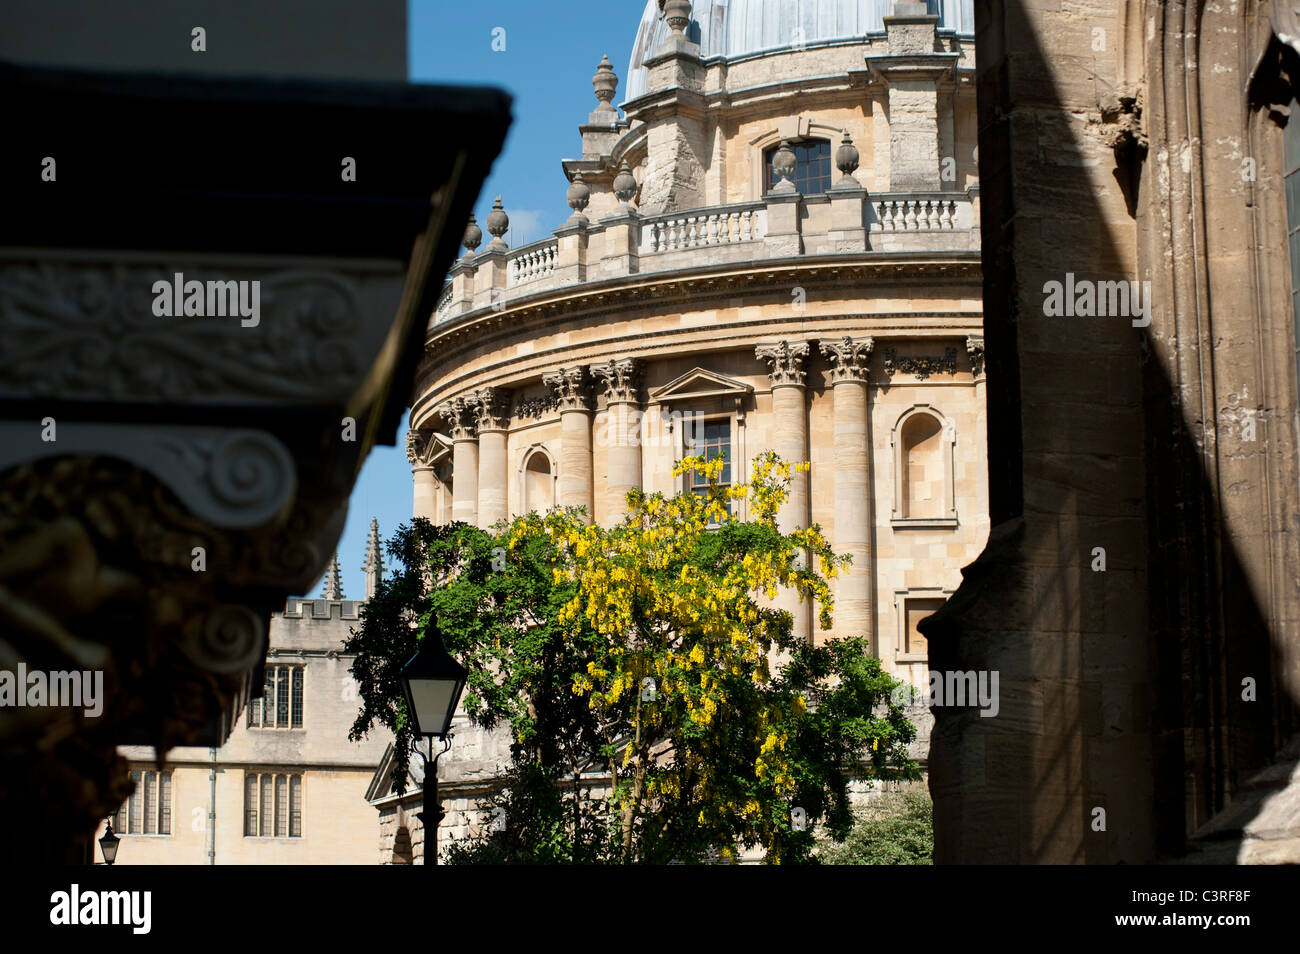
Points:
(208, 787)
(843, 327)
(1138, 594)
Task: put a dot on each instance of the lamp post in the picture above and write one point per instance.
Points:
(108, 843)
(432, 683)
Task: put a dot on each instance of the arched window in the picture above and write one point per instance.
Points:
(537, 481)
(812, 166)
(923, 489)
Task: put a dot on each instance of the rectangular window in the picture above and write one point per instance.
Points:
(709, 439)
(133, 814)
(148, 810)
(917, 610)
(265, 827)
(296, 721)
(295, 806)
(272, 805)
(281, 705)
(250, 805)
(150, 804)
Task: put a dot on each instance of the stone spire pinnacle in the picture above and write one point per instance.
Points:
(333, 580)
(374, 565)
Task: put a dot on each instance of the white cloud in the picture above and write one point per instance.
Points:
(529, 225)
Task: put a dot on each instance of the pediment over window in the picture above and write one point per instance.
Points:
(698, 384)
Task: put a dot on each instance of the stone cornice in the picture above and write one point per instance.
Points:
(785, 361)
(517, 370)
(705, 282)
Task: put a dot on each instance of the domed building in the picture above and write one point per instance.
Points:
(775, 245)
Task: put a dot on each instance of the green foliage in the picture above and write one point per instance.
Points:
(896, 830)
(561, 624)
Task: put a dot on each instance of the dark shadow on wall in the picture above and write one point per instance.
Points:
(1122, 726)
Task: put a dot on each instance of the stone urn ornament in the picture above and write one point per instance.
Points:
(678, 14)
(846, 160)
(473, 236)
(625, 186)
(498, 223)
(783, 164)
(605, 82)
(578, 195)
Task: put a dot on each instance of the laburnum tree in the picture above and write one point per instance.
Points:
(650, 655)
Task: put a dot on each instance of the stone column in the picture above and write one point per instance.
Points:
(622, 380)
(786, 364)
(572, 390)
(854, 606)
(493, 420)
(459, 415)
(419, 447)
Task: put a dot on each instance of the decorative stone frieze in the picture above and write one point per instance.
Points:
(920, 365)
(849, 358)
(975, 349)
(785, 361)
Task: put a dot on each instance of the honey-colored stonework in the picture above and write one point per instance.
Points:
(842, 326)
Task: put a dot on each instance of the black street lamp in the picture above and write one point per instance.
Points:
(432, 682)
(108, 843)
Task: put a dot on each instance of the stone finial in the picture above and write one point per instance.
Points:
(605, 82)
(473, 236)
(849, 358)
(578, 195)
(846, 160)
(625, 186)
(333, 580)
(784, 164)
(785, 361)
(678, 14)
(498, 223)
(374, 565)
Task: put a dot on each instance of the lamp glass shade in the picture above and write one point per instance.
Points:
(108, 845)
(432, 682)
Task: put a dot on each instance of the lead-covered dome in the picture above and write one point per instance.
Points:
(736, 28)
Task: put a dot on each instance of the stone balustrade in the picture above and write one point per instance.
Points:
(698, 228)
(837, 222)
(531, 262)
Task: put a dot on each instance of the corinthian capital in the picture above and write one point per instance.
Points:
(848, 357)
(460, 414)
(571, 387)
(785, 361)
(622, 378)
(493, 409)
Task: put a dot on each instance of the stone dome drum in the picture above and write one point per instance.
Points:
(733, 29)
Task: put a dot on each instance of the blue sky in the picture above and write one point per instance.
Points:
(551, 51)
